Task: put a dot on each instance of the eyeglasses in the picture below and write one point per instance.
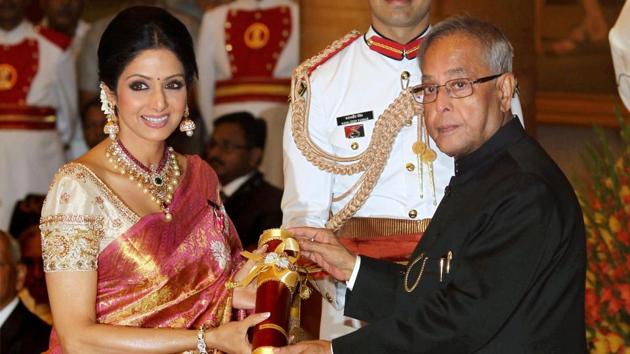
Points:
(226, 145)
(456, 88)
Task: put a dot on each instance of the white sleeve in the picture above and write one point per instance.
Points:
(307, 189)
(295, 35)
(517, 110)
(207, 75)
(355, 271)
(67, 98)
(88, 60)
(620, 47)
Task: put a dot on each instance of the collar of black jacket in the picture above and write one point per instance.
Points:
(505, 137)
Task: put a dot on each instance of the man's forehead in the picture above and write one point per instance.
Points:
(457, 71)
(456, 51)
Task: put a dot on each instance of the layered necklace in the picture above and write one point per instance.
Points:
(158, 182)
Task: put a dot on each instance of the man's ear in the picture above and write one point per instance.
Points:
(507, 86)
(20, 277)
(255, 157)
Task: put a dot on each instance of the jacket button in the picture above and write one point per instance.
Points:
(354, 145)
(413, 213)
(410, 167)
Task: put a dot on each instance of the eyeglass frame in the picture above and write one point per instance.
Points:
(448, 91)
(227, 146)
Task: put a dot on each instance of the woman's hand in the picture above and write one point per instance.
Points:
(245, 298)
(232, 337)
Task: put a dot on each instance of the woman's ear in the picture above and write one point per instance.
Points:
(111, 97)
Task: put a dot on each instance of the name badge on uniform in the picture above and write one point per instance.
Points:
(355, 118)
(354, 131)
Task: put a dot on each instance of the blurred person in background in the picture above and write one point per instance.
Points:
(64, 16)
(26, 213)
(21, 332)
(34, 295)
(92, 122)
(247, 51)
(235, 150)
(39, 111)
(25, 225)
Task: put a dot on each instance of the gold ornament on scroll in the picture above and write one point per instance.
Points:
(281, 284)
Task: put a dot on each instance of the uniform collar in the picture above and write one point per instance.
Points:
(505, 137)
(391, 49)
(15, 35)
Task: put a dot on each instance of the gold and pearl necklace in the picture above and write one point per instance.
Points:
(157, 181)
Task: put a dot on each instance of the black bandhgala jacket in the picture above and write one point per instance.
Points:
(515, 281)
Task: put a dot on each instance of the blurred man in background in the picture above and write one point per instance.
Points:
(235, 151)
(20, 331)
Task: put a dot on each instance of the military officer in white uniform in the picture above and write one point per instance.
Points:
(246, 52)
(38, 107)
(350, 88)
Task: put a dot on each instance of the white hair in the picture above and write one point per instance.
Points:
(498, 51)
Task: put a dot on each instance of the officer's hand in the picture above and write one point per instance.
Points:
(308, 347)
(323, 248)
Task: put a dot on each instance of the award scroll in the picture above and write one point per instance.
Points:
(278, 279)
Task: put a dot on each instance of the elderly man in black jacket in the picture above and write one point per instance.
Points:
(21, 332)
(501, 266)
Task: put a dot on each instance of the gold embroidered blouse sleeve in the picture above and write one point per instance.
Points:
(80, 218)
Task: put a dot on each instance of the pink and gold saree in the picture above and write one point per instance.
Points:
(151, 273)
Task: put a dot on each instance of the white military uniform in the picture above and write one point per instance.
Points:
(34, 126)
(620, 46)
(258, 79)
(78, 146)
(77, 40)
(357, 82)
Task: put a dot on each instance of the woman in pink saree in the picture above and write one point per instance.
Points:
(138, 250)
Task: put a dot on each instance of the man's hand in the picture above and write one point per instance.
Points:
(307, 347)
(323, 248)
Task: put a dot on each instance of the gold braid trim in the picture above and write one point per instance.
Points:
(371, 161)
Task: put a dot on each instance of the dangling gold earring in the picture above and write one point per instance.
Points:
(111, 127)
(187, 125)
